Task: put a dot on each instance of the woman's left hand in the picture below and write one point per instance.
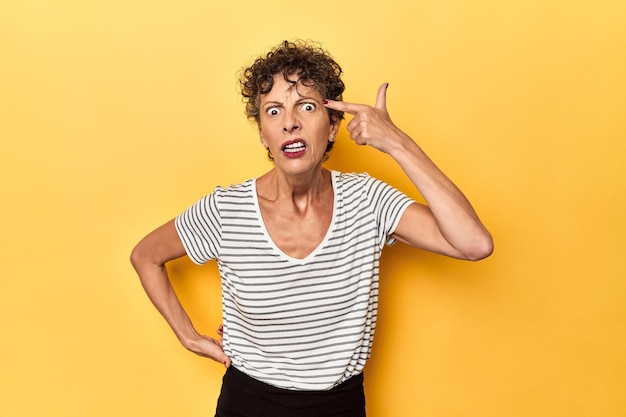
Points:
(371, 125)
(448, 223)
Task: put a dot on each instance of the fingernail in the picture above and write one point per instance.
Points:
(325, 101)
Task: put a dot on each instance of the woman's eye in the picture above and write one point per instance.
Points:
(308, 107)
(272, 111)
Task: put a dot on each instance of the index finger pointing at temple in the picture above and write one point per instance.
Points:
(351, 108)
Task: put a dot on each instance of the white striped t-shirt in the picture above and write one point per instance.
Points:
(301, 324)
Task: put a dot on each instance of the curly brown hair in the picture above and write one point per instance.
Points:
(312, 64)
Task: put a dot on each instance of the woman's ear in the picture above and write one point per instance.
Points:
(334, 128)
(262, 137)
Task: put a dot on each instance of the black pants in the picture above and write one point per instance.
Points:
(243, 396)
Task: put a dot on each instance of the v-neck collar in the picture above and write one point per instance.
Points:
(334, 180)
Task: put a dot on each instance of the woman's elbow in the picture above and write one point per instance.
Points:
(136, 257)
(481, 249)
(141, 255)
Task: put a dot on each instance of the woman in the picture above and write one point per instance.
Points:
(298, 247)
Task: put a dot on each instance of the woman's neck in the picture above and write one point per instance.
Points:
(301, 190)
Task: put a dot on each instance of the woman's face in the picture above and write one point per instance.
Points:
(295, 126)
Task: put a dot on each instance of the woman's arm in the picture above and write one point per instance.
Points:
(447, 224)
(148, 259)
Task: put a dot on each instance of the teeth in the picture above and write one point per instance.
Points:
(294, 147)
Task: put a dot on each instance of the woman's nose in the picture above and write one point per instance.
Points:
(291, 122)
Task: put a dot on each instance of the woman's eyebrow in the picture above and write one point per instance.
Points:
(272, 103)
(307, 98)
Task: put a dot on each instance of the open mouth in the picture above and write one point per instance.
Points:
(294, 147)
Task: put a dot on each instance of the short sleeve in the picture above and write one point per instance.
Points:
(199, 228)
(388, 204)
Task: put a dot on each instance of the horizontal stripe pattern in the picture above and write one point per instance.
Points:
(302, 324)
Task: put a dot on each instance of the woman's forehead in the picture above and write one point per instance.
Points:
(282, 88)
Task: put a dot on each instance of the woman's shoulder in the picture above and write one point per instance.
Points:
(362, 183)
(232, 192)
(352, 176)
(242, 187)
(354, 179)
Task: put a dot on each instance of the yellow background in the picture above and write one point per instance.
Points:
(116, 115)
